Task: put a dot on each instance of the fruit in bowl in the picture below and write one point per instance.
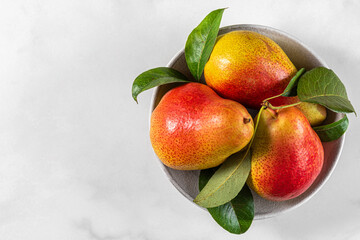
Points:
(248, 67)
(193, 128)
(287, 155)
(282, 143)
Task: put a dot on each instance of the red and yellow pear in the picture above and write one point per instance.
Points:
(248, 67)
(287, 155)
(193, 128)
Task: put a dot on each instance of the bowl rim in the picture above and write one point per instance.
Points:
(224, 30)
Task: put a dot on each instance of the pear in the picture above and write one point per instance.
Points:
(315, 113)
(193, 128)
(287, 155)
(248, 67)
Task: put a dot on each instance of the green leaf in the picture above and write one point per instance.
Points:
(227, 181)
(235, 216)
(321, 85)
(333, 130)
(201, 41)
(290, 90)
(155, 77)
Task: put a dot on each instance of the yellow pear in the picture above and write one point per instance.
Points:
(248, 67)
(315, 113)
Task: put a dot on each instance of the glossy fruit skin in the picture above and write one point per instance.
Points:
(248, 67)
(315, 113)
(287, 155)
(193, 128)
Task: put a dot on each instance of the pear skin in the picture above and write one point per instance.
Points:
(248, 67)
(315, 113)
(287, 155)
(193, 128)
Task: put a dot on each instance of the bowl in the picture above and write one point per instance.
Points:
(186, 182)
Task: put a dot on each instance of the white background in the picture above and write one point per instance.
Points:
(75, 156)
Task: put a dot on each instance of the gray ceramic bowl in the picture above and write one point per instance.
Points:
(186, 182)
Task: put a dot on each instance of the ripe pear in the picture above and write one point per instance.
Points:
(193, 128)
(248, 67)
(287, 155)
(315, 113)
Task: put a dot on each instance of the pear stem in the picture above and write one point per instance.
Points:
(273, 113)
(267, 104)
(267, 99)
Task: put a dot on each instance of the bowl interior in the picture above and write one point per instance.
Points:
(187, 181)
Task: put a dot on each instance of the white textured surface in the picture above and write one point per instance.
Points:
(76, 161)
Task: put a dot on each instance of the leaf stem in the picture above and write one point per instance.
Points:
(256, 125)
(255, 128)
